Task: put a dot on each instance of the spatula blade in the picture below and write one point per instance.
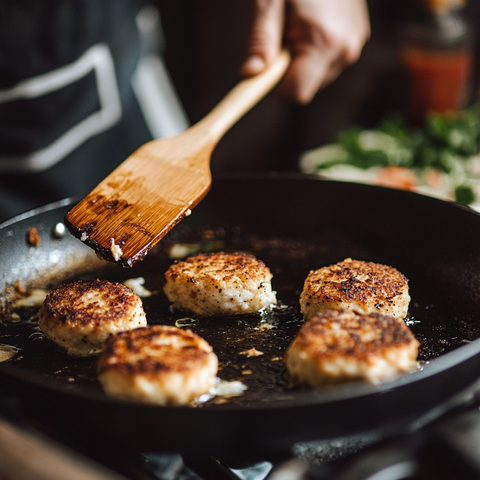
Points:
(139, 203)
(153, 190)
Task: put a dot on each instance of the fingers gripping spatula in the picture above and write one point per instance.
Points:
(159, 184)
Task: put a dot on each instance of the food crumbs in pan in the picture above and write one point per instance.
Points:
(18, 288)
(7, 352)
(228, 389)
(252, 352)
(34, 299)
(271, 331)
(137, 285)
(33, 237)
(116, 251)
(265, 326)
(14, 317)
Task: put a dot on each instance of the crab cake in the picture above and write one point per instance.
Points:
(353, 285)
(159, 364)
(80, 316)
(336, 346)
(220, 284)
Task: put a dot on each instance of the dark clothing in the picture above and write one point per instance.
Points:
(69, 108)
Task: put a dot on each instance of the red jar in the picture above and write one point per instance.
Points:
(437, 54)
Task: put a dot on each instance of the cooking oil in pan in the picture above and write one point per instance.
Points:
(250, 347)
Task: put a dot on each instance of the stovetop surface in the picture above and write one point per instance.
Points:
(445, 449)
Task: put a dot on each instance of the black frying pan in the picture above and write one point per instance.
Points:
(293, 223)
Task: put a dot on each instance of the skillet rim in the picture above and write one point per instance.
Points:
(348, 391)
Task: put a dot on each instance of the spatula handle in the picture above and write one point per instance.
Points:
(246, 94)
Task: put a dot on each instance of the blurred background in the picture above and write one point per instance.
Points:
(204, 45)
(54, 143)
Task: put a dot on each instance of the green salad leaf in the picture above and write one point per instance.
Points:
(445, 143)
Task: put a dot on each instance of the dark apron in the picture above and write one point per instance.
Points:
(74, 95)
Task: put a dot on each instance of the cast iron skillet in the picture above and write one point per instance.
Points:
(293, 223)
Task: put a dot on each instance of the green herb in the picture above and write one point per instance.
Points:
(445, 143)
(464, 195)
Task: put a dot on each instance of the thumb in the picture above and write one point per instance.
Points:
(264, 38)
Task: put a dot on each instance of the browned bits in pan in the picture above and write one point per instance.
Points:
(33, 237)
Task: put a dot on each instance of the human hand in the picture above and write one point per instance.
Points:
(324, 36)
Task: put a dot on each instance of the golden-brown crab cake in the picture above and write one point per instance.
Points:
(80, 316)
(159, 364)
(335, 346)
(220, 284)
(354, 285)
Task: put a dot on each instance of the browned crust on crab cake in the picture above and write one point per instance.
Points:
(335, 346)
(158, 364)
(219, 283)
(358, 286)
(80, 316)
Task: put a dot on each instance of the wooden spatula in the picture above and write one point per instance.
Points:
(159, 184)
